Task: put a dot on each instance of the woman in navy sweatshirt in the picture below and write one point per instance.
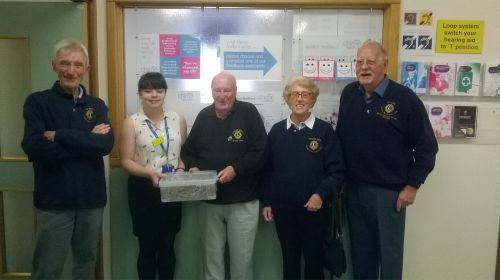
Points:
(303, 171)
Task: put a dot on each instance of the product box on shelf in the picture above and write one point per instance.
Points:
(440, 116)
(442, 78)
(414, 75)
(468, 79)
(464, 121)
(491, 80)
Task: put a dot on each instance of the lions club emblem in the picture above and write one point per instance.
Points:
(89, 114)
(389, 111)
(236, 136)
(313, 145)
(389, 108)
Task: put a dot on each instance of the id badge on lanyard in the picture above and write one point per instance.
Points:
(159, 141)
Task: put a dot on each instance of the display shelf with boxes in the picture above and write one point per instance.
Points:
(462, 99)
(464, 79)
(471, 121)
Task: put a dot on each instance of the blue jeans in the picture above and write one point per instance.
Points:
(59, 230)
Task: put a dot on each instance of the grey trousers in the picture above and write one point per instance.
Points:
(376, 231)
(235, 224)
(56, 233)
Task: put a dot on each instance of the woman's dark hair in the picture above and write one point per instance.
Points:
(152, 80)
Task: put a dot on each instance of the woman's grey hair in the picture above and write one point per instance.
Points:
(303, 82)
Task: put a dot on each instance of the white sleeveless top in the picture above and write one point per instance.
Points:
(153, 156)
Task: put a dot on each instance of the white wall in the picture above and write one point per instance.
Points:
(452, 230)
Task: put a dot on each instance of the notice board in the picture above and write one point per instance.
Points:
(288, 19)
(263, 48)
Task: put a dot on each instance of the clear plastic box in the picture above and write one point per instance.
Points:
(186, 186)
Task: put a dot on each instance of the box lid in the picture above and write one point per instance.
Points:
(178, 179)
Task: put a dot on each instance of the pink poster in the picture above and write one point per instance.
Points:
(180, 56)
(169, 45)
(190, 67)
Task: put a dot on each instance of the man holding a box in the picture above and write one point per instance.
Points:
(229, 137)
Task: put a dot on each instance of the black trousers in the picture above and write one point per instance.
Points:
(155, 224)
(377, 232)
(302, 232)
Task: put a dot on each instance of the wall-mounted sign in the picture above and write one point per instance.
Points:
(460, 36)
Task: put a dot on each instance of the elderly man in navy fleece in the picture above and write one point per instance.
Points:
(389, 149)
(66, 134)
(228, 136)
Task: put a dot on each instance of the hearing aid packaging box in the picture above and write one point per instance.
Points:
(187, 186)
(442, 79)
(440, 116)
(409, 72)
(491, 80)
(414, 75)
(468, 79)
(464, 121)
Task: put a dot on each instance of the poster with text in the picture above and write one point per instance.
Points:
(252, 57)
(460, 36)
(179, 56)
(148, 50)
(176, 56)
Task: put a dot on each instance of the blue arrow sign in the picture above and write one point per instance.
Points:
(249, 61)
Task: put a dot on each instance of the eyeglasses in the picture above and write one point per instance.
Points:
(222, 91)
(303, 94)
(368, 62)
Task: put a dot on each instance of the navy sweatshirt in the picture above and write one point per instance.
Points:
(238, 140)
(388, 142)
(301, 163)
(69, 172)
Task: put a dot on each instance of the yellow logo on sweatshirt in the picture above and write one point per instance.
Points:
(89, 114)
(236, 136)
(389, 111)
(313, 145)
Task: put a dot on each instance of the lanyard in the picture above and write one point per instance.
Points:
(156, 135)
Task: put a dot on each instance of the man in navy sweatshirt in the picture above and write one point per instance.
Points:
(389, 149)
(66, 134)
(228, 136)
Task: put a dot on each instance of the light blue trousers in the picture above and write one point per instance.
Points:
(235, 224)
(56, 233)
